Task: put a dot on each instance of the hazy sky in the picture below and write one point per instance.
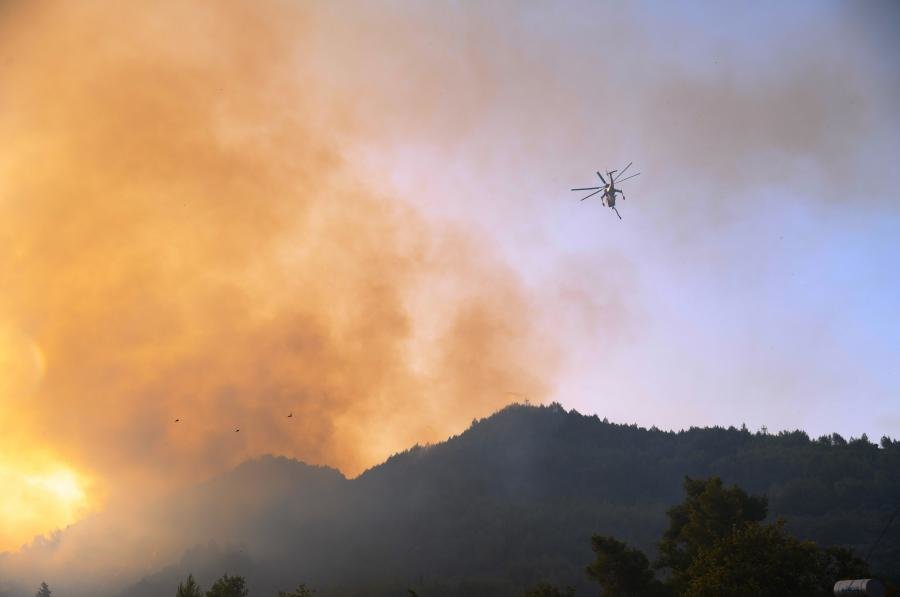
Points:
(359, 213)
(754, 276)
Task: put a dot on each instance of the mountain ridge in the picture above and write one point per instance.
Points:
(511, 501)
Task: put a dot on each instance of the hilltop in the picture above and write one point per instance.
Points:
(511, 501)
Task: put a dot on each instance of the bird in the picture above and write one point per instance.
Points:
(177, 420)
(290, 415)
(237, 430)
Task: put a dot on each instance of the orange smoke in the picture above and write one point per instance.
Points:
(182, 240)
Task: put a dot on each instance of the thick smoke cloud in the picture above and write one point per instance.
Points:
(183, 240)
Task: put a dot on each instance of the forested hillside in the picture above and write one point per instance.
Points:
(540, 480)
(511, 502)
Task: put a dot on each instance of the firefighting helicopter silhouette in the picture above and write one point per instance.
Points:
(609, 189)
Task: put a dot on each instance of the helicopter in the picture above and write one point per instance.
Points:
(609, 189)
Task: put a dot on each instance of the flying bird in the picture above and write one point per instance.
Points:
(290, 415)
(177, 420)
(237, 430)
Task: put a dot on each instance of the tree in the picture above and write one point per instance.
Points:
(228, 586)
(756, 559)
(301, 591)
(837, 563)
(190, 588)
(709, 513)
(716, 544)
(44, 591)
(620, 570)
(547, 590)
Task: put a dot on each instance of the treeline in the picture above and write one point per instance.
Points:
(514, 501)
(539, 478)
(717, 543)
(230, 586)
(226, 586)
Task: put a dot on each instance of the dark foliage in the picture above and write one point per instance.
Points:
(762, 559)
(709, 513)
(716, 544)
(43, 591)
(756, 559)
(541, 472)
(189, 588)
(545, 590)
(228, 586)
(839, 563)
(300, 591)
(514, 501)
(622, 571)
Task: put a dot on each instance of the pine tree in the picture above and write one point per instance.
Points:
(44, 591)
(228, 586)
(301, 591)
(190, 588)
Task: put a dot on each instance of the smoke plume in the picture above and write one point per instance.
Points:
(184, 240)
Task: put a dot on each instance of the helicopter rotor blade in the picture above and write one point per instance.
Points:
(588, 189)
(622, 173)
(601, 177)
(627, 177)
(591, 195)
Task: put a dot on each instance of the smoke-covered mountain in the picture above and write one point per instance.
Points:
(510, 502)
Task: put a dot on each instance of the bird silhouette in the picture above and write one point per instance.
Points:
(290, 415)
(177, 420)
(236, 430)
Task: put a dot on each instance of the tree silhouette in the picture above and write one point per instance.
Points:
(300, 591)
(709, 513)
(716, 544)
(228, 586)
(756, 559)
(837, 563)
(620, 570)
(44, 591)
(190, 588)
(547, 590)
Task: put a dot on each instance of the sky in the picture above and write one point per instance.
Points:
(359, 214)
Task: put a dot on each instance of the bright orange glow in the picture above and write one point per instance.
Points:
(40, 494)
(38, 499)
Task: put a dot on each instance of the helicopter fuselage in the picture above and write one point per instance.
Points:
(610, 195)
